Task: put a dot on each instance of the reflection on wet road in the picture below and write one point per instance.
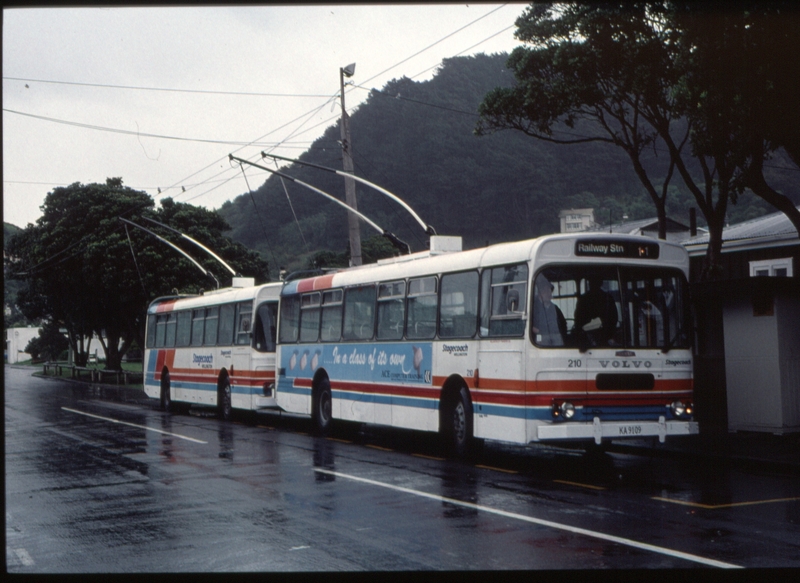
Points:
(97, 485)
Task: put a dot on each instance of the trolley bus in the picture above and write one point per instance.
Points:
(582, 337)
(216, 349)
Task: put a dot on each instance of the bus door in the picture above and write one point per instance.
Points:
(499, 404)
(555, 364)
(263, 349)
(242, 377)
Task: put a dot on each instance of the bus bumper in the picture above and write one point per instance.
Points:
(599, 430)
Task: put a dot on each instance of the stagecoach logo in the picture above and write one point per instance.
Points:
(678, 362)
(456, 349)
(203, 360)
(626, 363)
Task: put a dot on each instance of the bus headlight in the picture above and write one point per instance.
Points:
(565, 410)
(679, 409)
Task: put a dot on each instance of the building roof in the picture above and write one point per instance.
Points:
(635, 227)
(771, 230)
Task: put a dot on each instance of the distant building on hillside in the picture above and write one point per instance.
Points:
(676, 232)
(576, 220)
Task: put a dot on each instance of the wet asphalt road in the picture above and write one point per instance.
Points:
(96, 485)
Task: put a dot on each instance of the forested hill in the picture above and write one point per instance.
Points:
(416, 140)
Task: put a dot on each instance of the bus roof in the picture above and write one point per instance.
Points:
(210, 298)
(545, 249)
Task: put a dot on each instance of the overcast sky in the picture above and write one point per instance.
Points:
(161, 96)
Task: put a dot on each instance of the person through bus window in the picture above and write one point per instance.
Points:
(549, 325)
(595, 315)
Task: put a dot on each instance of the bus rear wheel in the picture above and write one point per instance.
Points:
(457, 424)
(224, 401)
(166, 397)
(321, 407)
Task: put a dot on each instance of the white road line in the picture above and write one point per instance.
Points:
(539, 521)
(24, 557)
(134, 425)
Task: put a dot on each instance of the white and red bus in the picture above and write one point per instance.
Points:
(215, 349)
(566, 337)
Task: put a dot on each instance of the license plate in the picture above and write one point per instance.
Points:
(629, 430)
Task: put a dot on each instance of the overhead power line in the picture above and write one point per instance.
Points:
(165, 89)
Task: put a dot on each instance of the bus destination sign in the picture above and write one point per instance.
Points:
(621, 248)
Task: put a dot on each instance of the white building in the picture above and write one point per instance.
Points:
(576, 220)
(16, 341)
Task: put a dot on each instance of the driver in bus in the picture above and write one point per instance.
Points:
(595, 315)
(549, 324)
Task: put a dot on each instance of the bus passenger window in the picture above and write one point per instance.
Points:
(290, 319)
(184, 331)
(150, 341)
(359, 313)
(226, 321)
(422, 300)
(331, 325)
(391, 310)
(458, 314)
(212, 320)
(161, 327)
(198, 319)
(244, 313)
(264, 330)
(509, 286)
(169, 341)
(309, 317)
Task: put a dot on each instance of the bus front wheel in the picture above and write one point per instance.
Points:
(321, 405)
(457, 424)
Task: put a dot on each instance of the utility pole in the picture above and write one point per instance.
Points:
(354, 227)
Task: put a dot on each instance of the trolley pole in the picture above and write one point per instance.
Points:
(354, 228)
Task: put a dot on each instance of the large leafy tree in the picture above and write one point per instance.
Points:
(646, 75)
(87, 271)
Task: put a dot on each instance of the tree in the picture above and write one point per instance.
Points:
(742, 92)
(602, 68)
(92, 274)
(49, 344)
(647, 75)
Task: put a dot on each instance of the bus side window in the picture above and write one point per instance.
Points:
(509, 286)
(331, 326)
(244, 313)
(212, 323)
(198, 320)
(458, 313)
(309, 317)
(227, 314)
(391, 310)
(184, 331)
(359, 313)
(150, 341)
(169, 341)
(161, 327)
(264, 330)
(289, 319)
(422, 300)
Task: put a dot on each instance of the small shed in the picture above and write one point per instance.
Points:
(747, 375)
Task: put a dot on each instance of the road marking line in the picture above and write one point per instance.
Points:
(379, 447)
(579, 484)
(715, 506)
(428, 457)
(134, 425)
(541, 522)
(496, 469)
(339, 440)
(23, 556)
(301, 547)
